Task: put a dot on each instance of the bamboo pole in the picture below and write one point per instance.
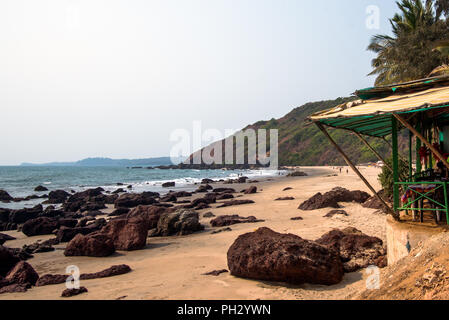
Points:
(354, 168)
(373, 150)
(423, 140)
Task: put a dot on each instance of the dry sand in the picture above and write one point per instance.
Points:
(172, 267)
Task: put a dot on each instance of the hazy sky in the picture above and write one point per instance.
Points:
(114, 78)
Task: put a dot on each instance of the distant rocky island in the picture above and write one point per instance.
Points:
(107, 162)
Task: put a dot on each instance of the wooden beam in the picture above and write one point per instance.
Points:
(373, 151)
(423, 140)
(354, 168)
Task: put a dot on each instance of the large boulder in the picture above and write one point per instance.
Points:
(5, 237)
(4, 196)
(91, 245)
(271, 256)
(330, 199)
(149, 214)
(130, 200)
(127, 234)
(57, 196)
(7, 260)
(181, 222)
(22, 273)
(23, 215)
(65, 234)
(40, 189)
(357, 250)
(40, 226)
(228, 220)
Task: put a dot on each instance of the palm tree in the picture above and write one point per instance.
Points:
(407, 54)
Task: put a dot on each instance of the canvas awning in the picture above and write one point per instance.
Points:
(372, 117)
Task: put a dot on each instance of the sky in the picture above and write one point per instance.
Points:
(116, 78)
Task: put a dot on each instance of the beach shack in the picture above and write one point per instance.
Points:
(418, 110)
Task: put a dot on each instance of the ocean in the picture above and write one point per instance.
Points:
(20, 181)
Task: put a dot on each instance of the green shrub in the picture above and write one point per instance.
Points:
(386, 176)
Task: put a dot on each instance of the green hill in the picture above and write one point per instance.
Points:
(303, 144)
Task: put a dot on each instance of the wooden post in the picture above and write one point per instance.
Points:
(410, 152)
(373, 151)
(354, 168)
(423, 140)
(394, 136)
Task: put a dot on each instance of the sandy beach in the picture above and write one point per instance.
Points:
(173, 267)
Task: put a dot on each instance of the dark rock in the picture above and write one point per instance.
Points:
(65, 234)
(22, 273)
(225, 196)
(68, 222)
(228, 220)
(181, 194)
(149, 214)
(93, 213)
(331, 199)
(119, 212)
(208, 215)
(221, 230)
(7, 260)
(40, 226)
(4, 214)
(336, 212)
(8, 226)
(181, 222)
(287, 189)
(215, 273)
(109, 272)
(296, 219)
(57, 196)
(169, 198)
(202, 206)
(271, 256)
(242, 179)
(91, 245)
(38, 247)
(4, 196)
(49, 279)
(13, 288)
(318, 201)
(207, 181)
(357, 250)
(203, 188)
(285, 199)
(73, 292)
(127, 234)
(297, 174)
(223, 190)
(5, 237)
(130, 200)
(23, 215)
(250, 190)
(119, 190)
(168, 184)
(235, 203)
(40, 189)
(374, 203)
(82, 222)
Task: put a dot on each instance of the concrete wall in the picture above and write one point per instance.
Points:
(404, 236)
